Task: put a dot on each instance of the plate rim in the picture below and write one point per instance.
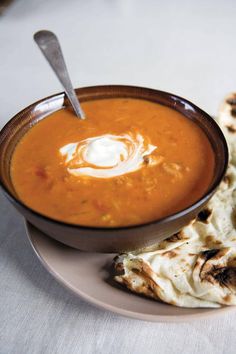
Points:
(212, 312)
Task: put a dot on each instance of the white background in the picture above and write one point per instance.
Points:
(185, 47)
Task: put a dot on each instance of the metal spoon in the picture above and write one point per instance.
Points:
(50, 47)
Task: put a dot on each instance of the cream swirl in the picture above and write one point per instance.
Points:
(107, 155)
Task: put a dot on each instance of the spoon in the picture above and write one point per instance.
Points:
(51, 49)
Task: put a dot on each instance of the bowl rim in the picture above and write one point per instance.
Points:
(207, 195)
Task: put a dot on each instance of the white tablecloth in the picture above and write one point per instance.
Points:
(187, 47)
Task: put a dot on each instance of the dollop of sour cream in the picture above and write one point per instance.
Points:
(107, 155)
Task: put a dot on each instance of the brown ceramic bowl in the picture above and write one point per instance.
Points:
(117, 239)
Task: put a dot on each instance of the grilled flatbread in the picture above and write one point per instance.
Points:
(197, 266)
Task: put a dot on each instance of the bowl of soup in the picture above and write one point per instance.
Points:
(140, 166)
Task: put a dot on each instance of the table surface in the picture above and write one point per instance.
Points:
(186, 47)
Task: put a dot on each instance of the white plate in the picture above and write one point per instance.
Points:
(89, 276)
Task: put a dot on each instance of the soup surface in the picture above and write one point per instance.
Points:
(130, 162)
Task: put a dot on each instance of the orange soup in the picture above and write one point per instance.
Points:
(131, 161)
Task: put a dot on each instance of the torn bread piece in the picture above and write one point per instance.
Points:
(197, 266)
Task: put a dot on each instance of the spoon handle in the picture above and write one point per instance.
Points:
(50, 47)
